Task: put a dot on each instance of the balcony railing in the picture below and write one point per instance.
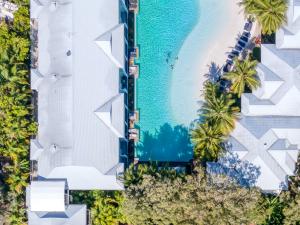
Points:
(133, 5)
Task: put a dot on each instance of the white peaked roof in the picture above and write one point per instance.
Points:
(47, 203)
(111, 44)
(288, 36)
(47, 196)
(279, 73)
(81, 107)
(108, 114)
(74, 215)
(268, 135)
(271, 144)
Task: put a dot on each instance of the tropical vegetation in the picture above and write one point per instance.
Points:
(270, 14)
(166, 196)
(105, 206)
(134, 174)
(291, 199)
(217, 119)
(221, 112)
(207, 142)
(17, 125)
(243, 76)
(162, 195)
(153, 195)
(192, 199)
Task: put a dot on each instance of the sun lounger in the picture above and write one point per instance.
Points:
(244, 39)
(238, 48)
(231, 56)
(248, 26)
(235, 53)
(226, 68)
(246, 34)
(229, 62)
(133, 131)
(242, 44)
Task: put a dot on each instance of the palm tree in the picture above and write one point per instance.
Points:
(221, 112)
(243, 75)
(271, 14)
(211, 90)
(207, 142)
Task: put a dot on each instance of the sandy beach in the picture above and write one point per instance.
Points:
(213, 37)
(224, 42)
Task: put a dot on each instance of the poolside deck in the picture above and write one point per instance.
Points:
(134, 5)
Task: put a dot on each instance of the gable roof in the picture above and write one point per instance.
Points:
(112, 44)
(280, 82)
(268, 134)
(74, 215)
(288, 36)
(47, 196)
(81, 107)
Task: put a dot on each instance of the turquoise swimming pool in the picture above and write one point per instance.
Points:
(171, 36)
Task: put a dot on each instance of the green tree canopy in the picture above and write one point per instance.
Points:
(207, 142)
(292, 211)
(134, 174)
(243, 76)
(221, 112)
(271, 14)
(105, 206)
(191, 200)
(211, 90)
(17, 125)
(291, 199)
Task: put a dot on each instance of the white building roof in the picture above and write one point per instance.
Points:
(288, 37)
(81, 107)
(279, 74)
(46, 196)
(74, 215)
(48, 204)
(270, 143)
(268, 135)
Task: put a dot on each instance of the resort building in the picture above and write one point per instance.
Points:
(79, 78)
(268, 135)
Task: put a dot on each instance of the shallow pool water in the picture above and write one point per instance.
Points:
(172, 35)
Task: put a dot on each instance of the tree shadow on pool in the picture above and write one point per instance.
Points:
(169, 144)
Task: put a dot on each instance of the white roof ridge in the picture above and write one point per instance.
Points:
(272, 164)
(104, 113)
(114, 169)
(269, 138)
(281, 91)
(104, 41)
(278, 54)
(240, 129)
(269, 75)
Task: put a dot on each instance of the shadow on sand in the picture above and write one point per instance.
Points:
(168, 144)
(214, 72)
